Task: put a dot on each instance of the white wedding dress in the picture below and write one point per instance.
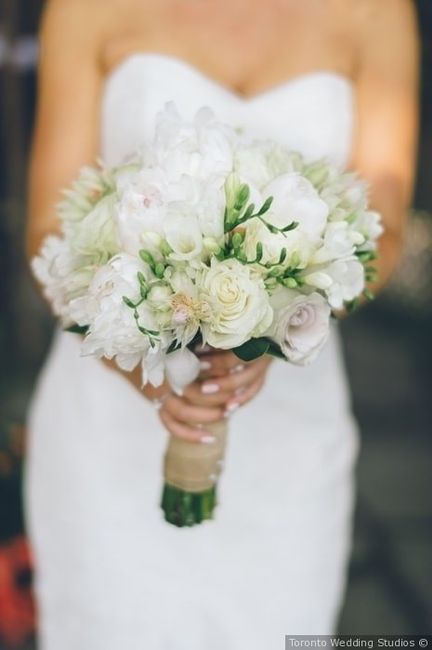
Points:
(110, 572)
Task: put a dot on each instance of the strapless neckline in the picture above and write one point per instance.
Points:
(183, 64)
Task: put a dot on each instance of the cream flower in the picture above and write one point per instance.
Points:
(237, 301)
(301, 324)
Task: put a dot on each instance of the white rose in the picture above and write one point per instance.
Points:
(295, 199)
(238, 304)
(300, 325)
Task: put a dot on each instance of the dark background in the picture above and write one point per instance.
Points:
(388, 354)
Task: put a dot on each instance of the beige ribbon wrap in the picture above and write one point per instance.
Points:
(194, 466)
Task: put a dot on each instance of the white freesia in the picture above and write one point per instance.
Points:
(340, 241)
(297, 245)
(369, 225)
(295, 199)
(347, 281)
(183, 234)
(300, 325)
(238, 304)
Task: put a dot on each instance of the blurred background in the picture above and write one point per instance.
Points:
(388, 347)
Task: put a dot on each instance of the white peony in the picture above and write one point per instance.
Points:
(238, 304)
(295, 199)
(300, 325)
(201, 149)
(113, 331)
(257, 162)
(144, 200)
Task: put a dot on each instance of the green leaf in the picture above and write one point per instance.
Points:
(237, 240)
(147, 258)
(159, 270)
(366, 256)
(291, 226)
(282, 256)
(77, 329)
(291, 283)
(252, 349)
(259, 252)
(128, 302)
(175, 345)
(242, 196)
(275, 351)
(265, 206)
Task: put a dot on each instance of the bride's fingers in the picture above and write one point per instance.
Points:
(245, 396)
(184, 411)
(183, 431)
(234, 381)
(220, 363)
(194, 395)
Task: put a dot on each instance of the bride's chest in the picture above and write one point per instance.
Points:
(311, 113)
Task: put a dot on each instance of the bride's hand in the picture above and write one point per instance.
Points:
(224, 384)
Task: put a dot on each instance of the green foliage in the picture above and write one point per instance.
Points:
(252, 349)
(77, 329)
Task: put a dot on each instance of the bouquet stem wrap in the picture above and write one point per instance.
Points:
(191, 471)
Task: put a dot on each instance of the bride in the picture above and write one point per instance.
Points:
(326, 77)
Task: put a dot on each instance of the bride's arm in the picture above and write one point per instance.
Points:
(387, 113)
(66, 137)
(66, 128)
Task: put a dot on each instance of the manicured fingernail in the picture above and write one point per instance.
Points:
(207, 440)
(205, 365)
(209, 389)
(238, 368)
(230, 409)
(202, 348)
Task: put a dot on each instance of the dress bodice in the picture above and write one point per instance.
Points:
(311, 113)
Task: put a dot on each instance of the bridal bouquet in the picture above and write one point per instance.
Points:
(206, 236)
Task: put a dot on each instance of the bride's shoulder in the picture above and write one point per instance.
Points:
(90, 19)
(376, 14)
